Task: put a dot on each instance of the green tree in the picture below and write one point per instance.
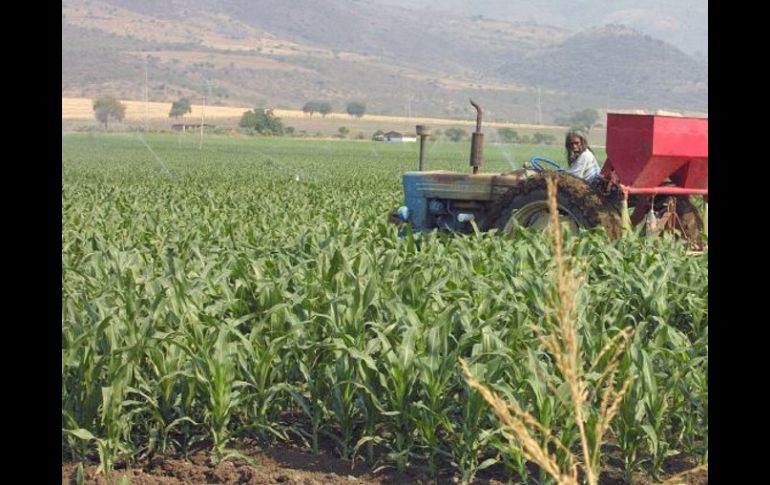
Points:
(355, 108)
(585, 119)
(107, 108)
(507, 135)
(324, 108)
(455, 134)
(343, 131)
(582, 120)
(180, 108)
(311, 107)
(263, 121)
(544, 139)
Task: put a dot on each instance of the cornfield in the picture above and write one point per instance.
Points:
(253, 289)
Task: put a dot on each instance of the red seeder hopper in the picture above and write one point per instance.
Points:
(652, 155)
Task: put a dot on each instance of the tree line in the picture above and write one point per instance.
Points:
(109, 109)
(353, 108)
(263, 120)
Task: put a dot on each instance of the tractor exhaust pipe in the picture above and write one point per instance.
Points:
(423, 132)
(477, 141)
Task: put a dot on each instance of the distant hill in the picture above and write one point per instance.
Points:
(682, 23)
(615, 61)
(398, 61)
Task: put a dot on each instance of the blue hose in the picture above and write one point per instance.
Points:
(534, 163)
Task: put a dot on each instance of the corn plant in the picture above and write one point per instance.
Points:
(254, 291)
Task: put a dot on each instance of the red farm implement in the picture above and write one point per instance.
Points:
(658, 162)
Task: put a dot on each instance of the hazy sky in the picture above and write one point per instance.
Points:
(682, 23)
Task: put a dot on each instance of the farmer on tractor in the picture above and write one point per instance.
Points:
(582, 161)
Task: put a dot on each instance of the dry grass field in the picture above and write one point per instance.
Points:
(80, 110)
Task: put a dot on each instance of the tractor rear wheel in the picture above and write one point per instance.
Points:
(579, 204)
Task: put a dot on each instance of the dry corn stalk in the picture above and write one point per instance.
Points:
(563, 344)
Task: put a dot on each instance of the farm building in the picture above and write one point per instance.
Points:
(396, 136)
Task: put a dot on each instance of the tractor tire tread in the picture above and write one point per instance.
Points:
(573, 193)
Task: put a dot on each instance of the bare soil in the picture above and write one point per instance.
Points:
(289, 465)
(277, 465)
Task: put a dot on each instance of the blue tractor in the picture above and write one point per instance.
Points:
(455, 202)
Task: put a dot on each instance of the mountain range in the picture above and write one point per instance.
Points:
(396, 60)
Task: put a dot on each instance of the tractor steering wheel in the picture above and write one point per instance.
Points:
(534, 163)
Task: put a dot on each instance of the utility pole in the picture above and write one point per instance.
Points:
(200, 145)
(208, 85)
(146, 95)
